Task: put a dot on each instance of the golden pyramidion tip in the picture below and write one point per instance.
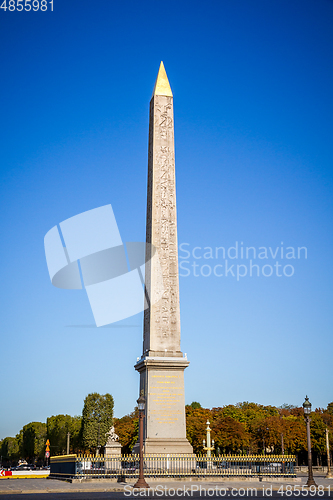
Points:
(162, 85)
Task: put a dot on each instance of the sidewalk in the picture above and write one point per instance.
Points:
(34, 486)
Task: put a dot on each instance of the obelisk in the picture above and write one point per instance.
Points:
(162, 364)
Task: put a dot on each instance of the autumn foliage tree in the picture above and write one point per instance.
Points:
(127, 429)
(196, 419)
(256, 429)
(231, 436)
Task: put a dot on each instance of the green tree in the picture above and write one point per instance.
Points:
(57, 428)
(195, 405)
(19, 438)
(287, 406)
(34, 438)
(75, 432)
(235, 412)
(97, 418)
(9, 449)
(330, 408)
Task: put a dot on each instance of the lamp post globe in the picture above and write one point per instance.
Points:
(307, 406)
(307, 410)
(141, 402)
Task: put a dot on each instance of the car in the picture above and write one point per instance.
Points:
(24, 467)
(129, 466)
(222, 465)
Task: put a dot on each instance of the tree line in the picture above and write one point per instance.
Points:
(87, 433)
(244, 428)
(247, 428)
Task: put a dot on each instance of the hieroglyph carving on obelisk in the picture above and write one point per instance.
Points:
(162, 363)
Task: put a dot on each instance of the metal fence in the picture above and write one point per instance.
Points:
(127, 466)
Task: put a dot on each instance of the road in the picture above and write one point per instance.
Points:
(50, 489)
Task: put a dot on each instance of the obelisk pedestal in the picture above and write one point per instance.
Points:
(162, 364)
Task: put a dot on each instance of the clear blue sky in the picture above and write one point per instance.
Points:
(252, 85)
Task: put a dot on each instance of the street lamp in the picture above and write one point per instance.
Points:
(282, 441)
(208, 448)
(141, 483)
(329, 473)
(307, 410)
(282, 451)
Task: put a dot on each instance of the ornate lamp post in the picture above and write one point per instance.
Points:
(329, 473)
(209, 448)
(282, 451)
(141, 483)
(307, 410)
(282, 442)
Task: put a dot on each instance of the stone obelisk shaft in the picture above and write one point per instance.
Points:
(162, 320)
(162, 364)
